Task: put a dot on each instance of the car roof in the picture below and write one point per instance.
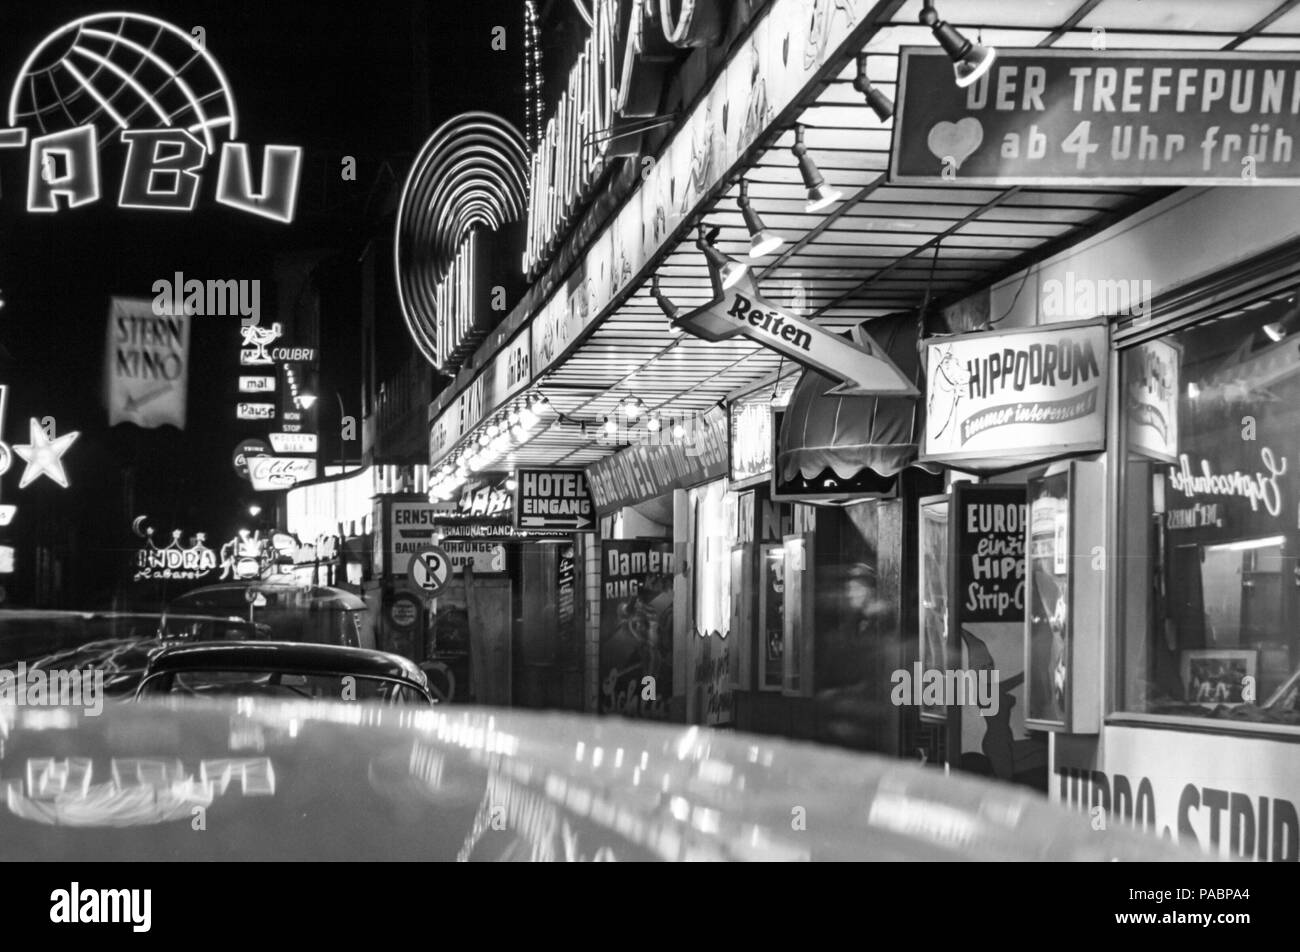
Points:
(40, 613)
(318, 780)
(283, 656)
(321, 595)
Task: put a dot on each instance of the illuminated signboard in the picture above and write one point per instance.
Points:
(469, 180)
(751, 438)
(553, 499)
(485, 499)
(1001, 399)
(257, 350)
(146, 366)
(646, 470)
(254, 411)
(43, 453)
(293, 442)
(175, 561)
(459, 417)
(156, 91)
(243, 451)
(269, 473)
(242, 557)
(609, 81)
(1093, 118)
(256, 384)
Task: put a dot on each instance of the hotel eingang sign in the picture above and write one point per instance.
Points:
(996, 400)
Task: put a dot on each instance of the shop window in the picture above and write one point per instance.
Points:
(1210, 520)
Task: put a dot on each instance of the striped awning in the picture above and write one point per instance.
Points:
(850, 434)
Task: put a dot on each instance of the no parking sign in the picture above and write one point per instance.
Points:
(430, 570)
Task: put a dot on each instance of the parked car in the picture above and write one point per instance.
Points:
(308, 613)
(309, 780)
(284, 669)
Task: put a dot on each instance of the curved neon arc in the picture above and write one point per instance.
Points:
(472, 172)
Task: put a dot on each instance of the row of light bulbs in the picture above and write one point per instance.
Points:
(970, 62)
(503, 433)
(633, 408)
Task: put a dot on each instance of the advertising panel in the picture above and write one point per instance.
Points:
(998, 400)
(412, 526)
(636, 627)
(553, 499)
(1230, 796)
(1085, 117)
(269, 473)
(147, 364)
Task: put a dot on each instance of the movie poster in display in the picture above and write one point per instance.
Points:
(986, 641)
(636, 627)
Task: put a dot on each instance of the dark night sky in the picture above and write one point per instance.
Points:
(336, 79)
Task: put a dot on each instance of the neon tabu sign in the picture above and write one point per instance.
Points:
(154, 89)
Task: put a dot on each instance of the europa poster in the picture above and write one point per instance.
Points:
(636, 627)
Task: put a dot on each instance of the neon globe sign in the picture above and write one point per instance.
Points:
(154, 90)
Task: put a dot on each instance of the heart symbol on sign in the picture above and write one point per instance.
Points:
(955, 140)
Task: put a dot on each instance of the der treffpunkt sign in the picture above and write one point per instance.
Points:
(1084, 117)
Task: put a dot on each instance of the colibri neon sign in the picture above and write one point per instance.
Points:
(153, 88)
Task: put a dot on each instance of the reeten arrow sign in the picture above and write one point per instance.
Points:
(862, 366)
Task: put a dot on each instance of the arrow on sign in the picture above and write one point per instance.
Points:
(133, 402)
(561, 522)
(862, 365)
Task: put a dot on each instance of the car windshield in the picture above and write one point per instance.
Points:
(293, 613)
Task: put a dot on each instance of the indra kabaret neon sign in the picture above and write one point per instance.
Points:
(153, 89)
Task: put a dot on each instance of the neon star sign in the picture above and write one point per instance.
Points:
(44, 455)
(156, 91)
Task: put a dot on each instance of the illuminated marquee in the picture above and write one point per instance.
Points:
(175, 561)
(470, 176)
(145, 84)
(245, 556)
(617, 78)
